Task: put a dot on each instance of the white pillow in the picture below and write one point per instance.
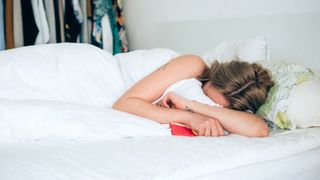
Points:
(294, 100)
(303, 110)
(250, 50)
(191, 90)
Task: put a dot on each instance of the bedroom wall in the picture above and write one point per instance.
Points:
(292, 27)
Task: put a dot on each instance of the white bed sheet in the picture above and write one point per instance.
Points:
(302, 166)
(164, 157)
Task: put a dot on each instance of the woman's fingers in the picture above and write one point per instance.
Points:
(207, 131)
(220, 128)
(164, 102)
(201, 131)
(208, 128)
(205, 126)
(214, 129)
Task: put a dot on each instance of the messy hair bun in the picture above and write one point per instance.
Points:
(244, 85)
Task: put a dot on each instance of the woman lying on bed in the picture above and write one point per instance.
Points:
(237, 86)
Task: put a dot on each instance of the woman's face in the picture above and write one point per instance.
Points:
(215, 95)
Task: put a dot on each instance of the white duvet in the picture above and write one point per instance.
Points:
(56, 123)
(63, 92)
(74, 73)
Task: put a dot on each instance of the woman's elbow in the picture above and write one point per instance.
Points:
(261, 131)
(117, 105)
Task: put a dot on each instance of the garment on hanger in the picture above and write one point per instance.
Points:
(61, 16)
(2, 40)
(115, 33)
(41, 21)
(107, 38)
(84, 34)
(120, 25)
(100, 9)
(72, 25)
(49, 8)
(89, 9)
(29, 22)
(77, 10)
(30, 29)
(90, 29)
(57, 20)
(9, 24)
(17, 24)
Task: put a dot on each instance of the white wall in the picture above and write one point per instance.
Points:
(292, 27)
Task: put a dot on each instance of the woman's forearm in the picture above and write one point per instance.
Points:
(233, 121)
(145, 109)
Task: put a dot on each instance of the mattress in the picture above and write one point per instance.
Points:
(289, 154)
(302, 166)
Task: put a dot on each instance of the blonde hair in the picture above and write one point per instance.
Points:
(244, 85)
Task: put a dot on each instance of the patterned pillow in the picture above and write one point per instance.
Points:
(287, 77)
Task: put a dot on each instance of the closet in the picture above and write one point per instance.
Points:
(32, 22)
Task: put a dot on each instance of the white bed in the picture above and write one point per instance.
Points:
(52, 129)
(288, 154)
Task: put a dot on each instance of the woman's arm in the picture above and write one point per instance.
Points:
(233, 121)
(203, 125)
(138, 99)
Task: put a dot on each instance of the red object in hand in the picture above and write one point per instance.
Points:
(181, 130)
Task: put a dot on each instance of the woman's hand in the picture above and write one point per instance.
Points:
(205, 126)
(201, 125)
(172, 100)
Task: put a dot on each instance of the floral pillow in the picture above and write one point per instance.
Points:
(286, 105)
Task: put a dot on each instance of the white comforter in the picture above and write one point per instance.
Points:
(56, 123)
(63, 92)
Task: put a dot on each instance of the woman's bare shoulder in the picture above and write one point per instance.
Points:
(193, 64)
(152, 86)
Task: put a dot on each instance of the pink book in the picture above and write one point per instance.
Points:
(181, 130)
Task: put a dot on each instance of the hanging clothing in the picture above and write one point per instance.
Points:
(29, 22)
(84, 34)
(57, 20)
(72, 25)
(77, 10)
(49, 7)
(100, 9)
(89, 9)
(107, 38)
(90, 27)
(30, 29)
(17, 24)
(41, 21)
(90, 20)
(9, 24)
(2, 40)
(61, 19)
(96, 32)
(120, 25)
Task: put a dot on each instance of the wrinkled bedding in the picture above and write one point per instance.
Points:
(56, 123)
